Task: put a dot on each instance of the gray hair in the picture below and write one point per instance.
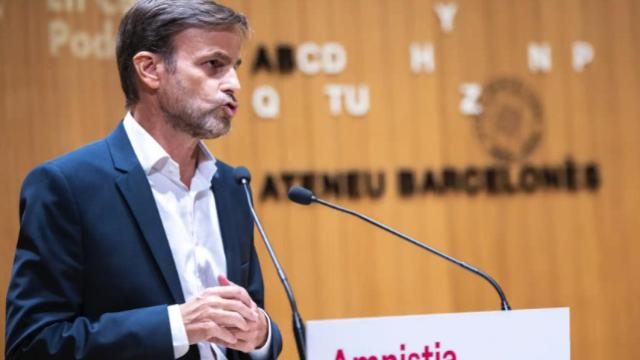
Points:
(150, 25)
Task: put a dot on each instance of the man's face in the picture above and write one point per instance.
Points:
(197, 95)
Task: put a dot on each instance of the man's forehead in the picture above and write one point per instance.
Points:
(203, 41)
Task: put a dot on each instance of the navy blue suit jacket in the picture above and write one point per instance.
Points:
(93, 272)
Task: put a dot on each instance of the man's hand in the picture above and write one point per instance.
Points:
(224, 314)
(256, 333)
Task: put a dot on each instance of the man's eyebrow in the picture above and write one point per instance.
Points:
(221, 55)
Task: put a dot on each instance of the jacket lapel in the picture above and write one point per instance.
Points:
(135, 188)
(224, 206)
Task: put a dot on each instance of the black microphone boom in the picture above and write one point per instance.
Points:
(243, 177)
(304, 196)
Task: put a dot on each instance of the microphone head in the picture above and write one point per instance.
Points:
(242, 173)
(301, 195)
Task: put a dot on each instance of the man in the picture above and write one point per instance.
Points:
(140, 246)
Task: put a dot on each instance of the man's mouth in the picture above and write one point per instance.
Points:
(231, 107)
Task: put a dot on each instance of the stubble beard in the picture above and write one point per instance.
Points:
(182, 114)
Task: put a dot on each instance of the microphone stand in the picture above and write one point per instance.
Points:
(298, 324)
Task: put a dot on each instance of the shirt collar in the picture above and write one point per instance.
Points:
(206, 163)
(153, 157)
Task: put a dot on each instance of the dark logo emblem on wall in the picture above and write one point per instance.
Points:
(510, 126)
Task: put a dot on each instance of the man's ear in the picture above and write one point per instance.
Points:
(148, 65)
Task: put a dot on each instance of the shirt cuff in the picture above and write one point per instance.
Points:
(263, 352)
(178, 332)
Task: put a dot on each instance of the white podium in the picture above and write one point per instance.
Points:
(539, 334)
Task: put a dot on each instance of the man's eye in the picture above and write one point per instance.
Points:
(216, 64)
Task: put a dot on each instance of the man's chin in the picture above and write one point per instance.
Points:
(214, 133)
(214, 127)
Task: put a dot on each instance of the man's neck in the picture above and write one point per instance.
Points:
(181, 147)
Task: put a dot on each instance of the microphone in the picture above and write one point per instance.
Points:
(243, 177)
(304, 196)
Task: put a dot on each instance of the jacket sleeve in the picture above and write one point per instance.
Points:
(45, 317)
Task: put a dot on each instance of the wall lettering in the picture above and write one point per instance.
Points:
(539, 57)
(354, 98)
(422, 58)
(582, 55)
(470, 102)
(266, 102)
(446, 14)
(313, 58)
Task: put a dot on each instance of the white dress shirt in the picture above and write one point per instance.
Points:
(190, 221)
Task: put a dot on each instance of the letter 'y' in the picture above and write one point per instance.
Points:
(446, 13)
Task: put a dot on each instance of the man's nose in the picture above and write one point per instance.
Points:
(231, 80)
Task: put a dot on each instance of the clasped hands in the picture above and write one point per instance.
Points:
(225, 315)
